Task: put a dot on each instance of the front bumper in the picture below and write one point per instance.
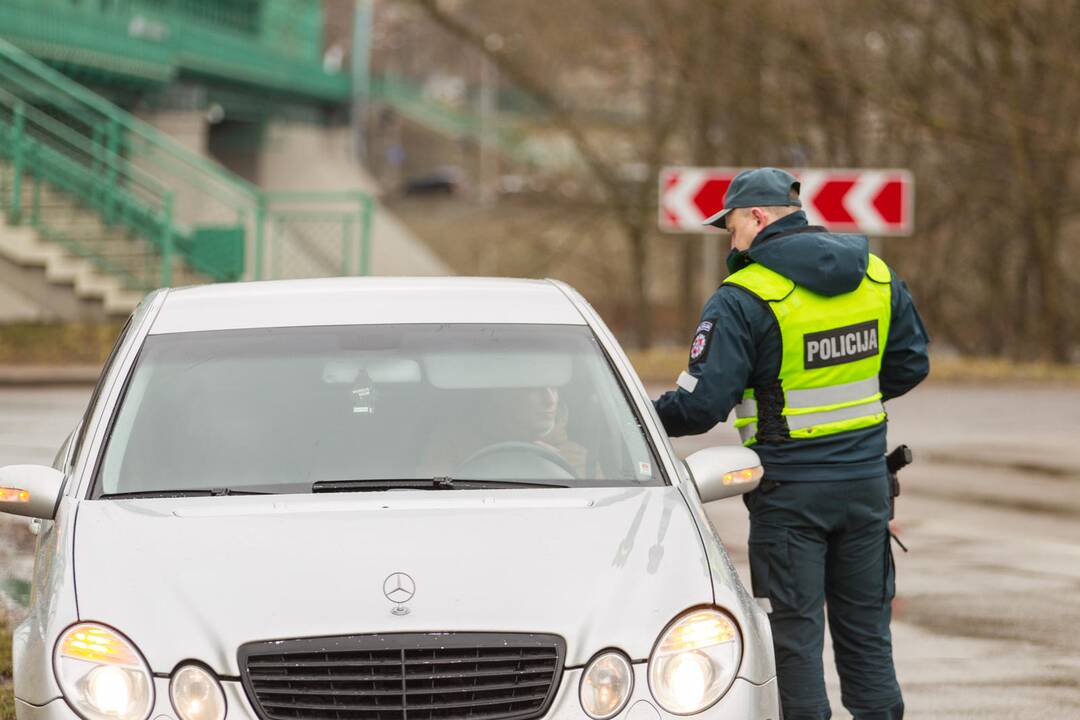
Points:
(744, 701)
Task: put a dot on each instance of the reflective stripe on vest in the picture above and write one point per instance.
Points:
(852, 392)
(832, 350)
(799, 422)
(803, 408)
(747, 408)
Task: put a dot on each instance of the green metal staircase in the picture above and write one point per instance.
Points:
(59, 217)
(140, 207)
(408, 98)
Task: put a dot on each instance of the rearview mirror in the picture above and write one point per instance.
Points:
(30, 490)
(721, 472)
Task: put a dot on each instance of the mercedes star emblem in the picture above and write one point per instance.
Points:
(399, 588)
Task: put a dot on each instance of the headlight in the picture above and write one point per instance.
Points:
(196, 694)
(695, 661)
(102, 674)
(606, 685)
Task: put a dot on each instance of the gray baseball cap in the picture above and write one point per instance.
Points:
(760, 187)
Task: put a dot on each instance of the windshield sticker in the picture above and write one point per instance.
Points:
(362, 400)
(645, 469)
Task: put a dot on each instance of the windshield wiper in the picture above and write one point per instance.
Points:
(436, 483)
(202, 492)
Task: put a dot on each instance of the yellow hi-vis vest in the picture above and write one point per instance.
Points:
(832, 350)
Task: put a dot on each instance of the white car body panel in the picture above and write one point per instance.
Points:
(364, 301)
(600, 567)
(194, 578)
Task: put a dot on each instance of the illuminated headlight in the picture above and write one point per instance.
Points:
(695, 661)
(102, 674)
(196, 694)
(606, 685)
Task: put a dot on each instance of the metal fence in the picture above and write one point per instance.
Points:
(314, 235)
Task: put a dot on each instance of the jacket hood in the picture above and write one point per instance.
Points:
(198, 577)
(824, 262)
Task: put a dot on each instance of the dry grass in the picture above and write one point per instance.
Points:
(994, 370)
(663, 365)
(56, 344)
(7, 696)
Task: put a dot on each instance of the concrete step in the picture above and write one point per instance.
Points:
(134, 258)
(85, 231)
(85, 228)
(61, 211)
(24, 247)
(78, 220)
(127, 254)
(68, 215)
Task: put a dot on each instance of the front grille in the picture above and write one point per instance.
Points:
(441, 676)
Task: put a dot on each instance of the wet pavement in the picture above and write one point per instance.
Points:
(987, 617)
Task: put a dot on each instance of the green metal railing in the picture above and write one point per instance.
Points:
(47, 162)
(315, 234)
(409, 98)
(67, 144)
(515, 120)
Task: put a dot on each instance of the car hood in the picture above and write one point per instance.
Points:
(195, 578)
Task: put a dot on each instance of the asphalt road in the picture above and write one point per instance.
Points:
(987, 617)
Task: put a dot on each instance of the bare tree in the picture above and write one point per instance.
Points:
(980, 98)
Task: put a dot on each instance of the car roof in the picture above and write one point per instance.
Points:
(364, 301)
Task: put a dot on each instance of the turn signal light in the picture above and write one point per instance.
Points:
(698, 630)
(102, 675)
(99, 645)
(14, 495)
(745, 475)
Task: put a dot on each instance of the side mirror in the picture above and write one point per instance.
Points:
(721, 472)
(30, 490)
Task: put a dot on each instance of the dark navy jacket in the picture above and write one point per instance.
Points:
(744, 350)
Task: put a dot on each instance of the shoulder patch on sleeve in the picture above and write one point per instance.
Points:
(699, 346)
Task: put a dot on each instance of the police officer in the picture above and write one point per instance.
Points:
(806, 338)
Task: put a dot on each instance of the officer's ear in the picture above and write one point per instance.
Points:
(761, 218)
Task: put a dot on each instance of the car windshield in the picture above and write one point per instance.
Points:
(373, 407)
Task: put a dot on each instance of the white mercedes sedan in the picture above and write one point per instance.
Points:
(380, 499)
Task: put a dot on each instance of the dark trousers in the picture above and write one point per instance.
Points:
(826, 544)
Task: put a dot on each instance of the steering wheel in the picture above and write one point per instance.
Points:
(507, 460)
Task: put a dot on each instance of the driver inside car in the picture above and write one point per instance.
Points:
(526, 415)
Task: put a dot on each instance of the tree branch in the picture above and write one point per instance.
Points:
(561, 115)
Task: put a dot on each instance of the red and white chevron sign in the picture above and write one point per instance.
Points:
(873, 202)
